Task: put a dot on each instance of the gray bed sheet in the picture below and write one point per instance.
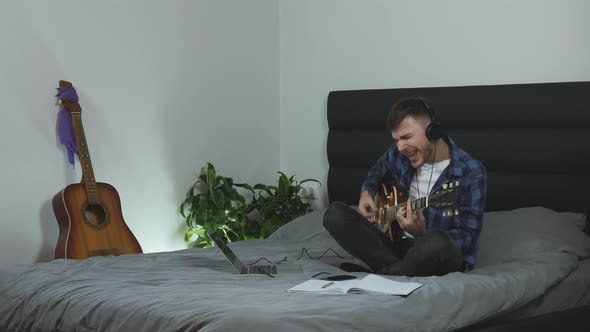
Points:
(571, 292)
(197, 289)
(7, 274)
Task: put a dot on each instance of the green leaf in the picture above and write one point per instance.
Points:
(199, 232)
(182, 210)
(245, 186)
(214, 196)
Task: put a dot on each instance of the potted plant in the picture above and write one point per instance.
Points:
(277, 205)
(214, 202)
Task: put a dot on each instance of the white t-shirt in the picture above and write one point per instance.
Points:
(424, 180)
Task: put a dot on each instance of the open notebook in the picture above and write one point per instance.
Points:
(372, 283)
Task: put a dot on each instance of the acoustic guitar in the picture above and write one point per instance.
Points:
(89, 213)
(390, 200)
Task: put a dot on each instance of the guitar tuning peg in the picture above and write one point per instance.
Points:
(456, 212)
(444, 186)
(451, 185)
(457, 183)
(59, 102)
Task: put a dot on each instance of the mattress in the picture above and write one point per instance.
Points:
(198, 289)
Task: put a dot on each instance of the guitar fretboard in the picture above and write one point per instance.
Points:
(85, 162)
(417, 204)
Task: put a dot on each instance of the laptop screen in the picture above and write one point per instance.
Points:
(220, 243)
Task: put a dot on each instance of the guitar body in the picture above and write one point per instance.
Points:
(390, 200)
(386, 198)
(87, 230)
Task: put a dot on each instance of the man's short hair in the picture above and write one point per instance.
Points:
(415, 107)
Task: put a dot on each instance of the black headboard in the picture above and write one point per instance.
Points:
(534, 139)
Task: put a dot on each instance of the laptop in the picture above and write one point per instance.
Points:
(249, 269)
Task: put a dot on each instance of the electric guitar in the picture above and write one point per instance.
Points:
(89, 213)
(389, 201)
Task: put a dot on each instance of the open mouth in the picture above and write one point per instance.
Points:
(413, 156)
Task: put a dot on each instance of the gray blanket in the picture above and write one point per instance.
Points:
(197, 289)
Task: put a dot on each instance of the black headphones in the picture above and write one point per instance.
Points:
(434, 130)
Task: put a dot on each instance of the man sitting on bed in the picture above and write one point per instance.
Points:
(419, 162)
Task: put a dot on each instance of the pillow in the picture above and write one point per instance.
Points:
(525, 232)
(304, 228)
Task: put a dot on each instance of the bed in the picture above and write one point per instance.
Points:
(533, 267)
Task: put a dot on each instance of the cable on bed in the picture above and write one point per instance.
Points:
(303, 250)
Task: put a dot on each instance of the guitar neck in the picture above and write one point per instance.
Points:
(85, 162)
(416, 204)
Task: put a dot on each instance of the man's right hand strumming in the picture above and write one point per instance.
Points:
(367, 206)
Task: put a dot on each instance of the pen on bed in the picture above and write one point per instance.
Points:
(328, 284)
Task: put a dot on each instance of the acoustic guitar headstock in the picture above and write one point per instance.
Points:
(71, 106)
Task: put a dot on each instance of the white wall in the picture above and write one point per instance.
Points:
(164, 85)
(352, 44)
(168, 85)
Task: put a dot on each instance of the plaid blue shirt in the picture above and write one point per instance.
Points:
(393, 168)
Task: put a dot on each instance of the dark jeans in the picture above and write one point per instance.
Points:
(433, 254)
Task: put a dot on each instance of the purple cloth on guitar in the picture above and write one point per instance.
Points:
(66, 130)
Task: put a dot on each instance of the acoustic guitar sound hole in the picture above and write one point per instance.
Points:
(96, 215)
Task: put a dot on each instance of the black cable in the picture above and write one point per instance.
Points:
(303, 250)
(258, 260)
(322, 255)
